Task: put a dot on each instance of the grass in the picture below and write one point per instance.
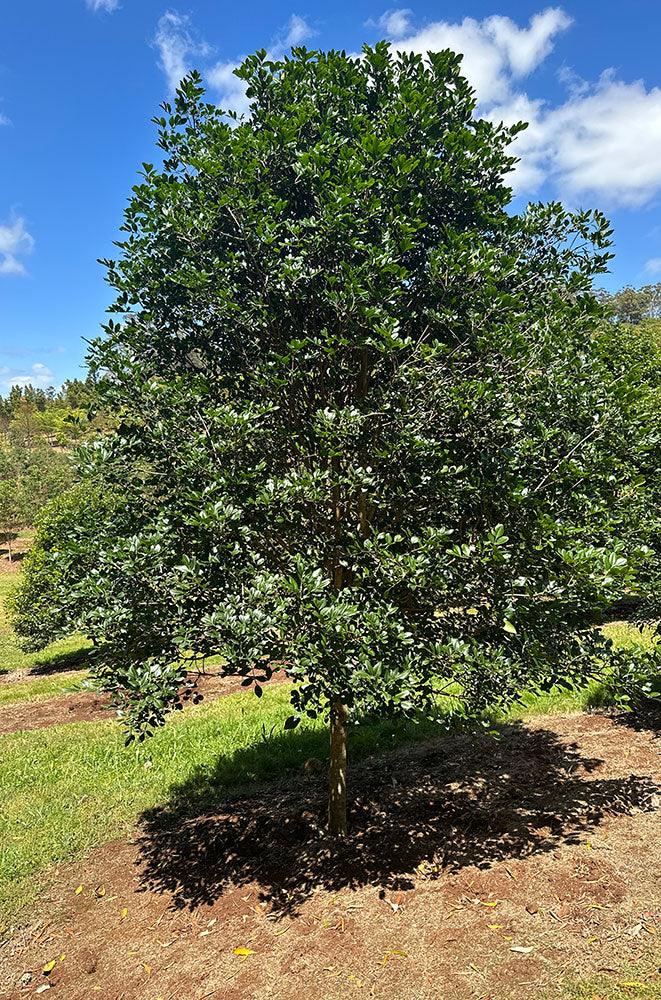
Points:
(66, 789)
(61, 655)
(630, 983)
(90, 787)
(42, 687)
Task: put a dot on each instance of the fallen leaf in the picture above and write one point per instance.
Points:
(100, 891)
(520, 950)
(78, 889)
(123, 913)
(488, 902)
(42, 989)
(494, 927)
(49, 966)
(147, 968)
(390, 954)
(243, 952)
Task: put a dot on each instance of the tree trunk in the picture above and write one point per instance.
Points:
(337, 776)
(8, 537)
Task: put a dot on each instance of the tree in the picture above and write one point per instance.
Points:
(633, 352)
(54, 587)
(366, 436)
(634, 305)
(10, 511)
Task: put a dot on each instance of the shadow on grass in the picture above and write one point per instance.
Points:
(55, 663)
(460, 800)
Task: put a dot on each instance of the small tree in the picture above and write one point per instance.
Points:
(10, 511)
(366, 436)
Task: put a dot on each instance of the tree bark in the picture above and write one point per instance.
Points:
(337, 775)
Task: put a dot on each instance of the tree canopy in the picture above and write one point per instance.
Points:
(365, 432)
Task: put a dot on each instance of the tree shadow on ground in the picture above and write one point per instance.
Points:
(644, 717)
(56, 663)
(458, 801)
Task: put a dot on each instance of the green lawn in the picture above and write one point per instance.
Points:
(66, 654)
(42, 687)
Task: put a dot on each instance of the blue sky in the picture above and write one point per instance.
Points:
(80, 80)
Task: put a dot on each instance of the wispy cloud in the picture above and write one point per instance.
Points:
(653, 266)
(38, 375)
(296, 30)
(181, 49)
(15, 242)
(395, 23)
(178, 46)
(106, 6)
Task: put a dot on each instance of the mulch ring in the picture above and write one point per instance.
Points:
(476, 868)
(88, 706)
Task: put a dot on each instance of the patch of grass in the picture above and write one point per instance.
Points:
(624, 635)
(42, 687)
(627, 985)
(61, 655)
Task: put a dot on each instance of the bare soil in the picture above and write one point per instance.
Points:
(19, 547)
(87, 706)
(476, 868)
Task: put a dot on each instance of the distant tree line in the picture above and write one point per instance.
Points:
(634, 305)
(39, 428)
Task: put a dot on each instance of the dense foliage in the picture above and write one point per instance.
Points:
(367, 434)
(38, 430)
(54, 593)
(633, 353)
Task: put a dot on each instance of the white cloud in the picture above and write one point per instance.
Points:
(15, 242)
(653, 266)
(231, 91)
(495, 51)
(178, 46)
(103, 5)
(395, 23)
(297, 31)
(181, 49)
(603, 142)
(4, 120)
(38, 375)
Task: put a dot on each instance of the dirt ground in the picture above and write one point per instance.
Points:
(476, 868)
(19, 546)
(87, 706)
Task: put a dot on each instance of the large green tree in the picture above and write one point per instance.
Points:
(366, 437)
